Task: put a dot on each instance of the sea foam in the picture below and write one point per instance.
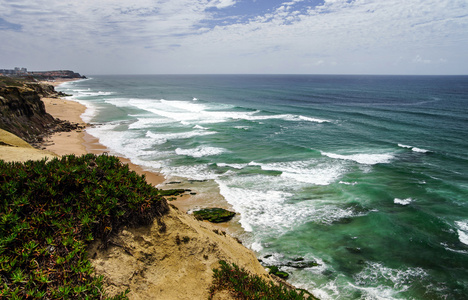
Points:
(161, 138)
(364, 158)
(312, 172)
(415, 149)
(402, 201)
(462, 231)
(200, 151)
(266, 204)
(190, 112)
(380, 282)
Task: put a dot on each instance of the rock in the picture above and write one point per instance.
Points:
(302, 264)
(275, 271)
(354, 250)
(23, 113)
(214, 215)
(195, 181)
(174, 192)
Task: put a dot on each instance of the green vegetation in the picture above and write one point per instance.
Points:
(275, 271)
(243, 285)
(9, 81)
(214, 215)
(174, 192)
(51, 210)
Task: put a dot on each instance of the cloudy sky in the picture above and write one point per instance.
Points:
(236, 36)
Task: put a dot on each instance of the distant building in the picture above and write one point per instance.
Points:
(15, 71)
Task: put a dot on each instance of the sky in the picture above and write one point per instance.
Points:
(407, 37)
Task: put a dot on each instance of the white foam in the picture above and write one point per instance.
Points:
(196, 172)
(348, 183)
(90, 93)
(404, 146)
(462, 231)
(380, 282)
(256, 246)
(415, 149)
(402, 201)
(119, 102)
(183, 111)
(235, 166)
(286, 117)
(311, 171)
(200, 151)
(363, 158)
(91, 109)
(191, 112)
(445, 245)
(148, 123)
(129, 144)
(161, 138)
(266, 205)
(313, 119)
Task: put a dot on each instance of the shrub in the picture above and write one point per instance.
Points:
(243, 285)
(51, 210)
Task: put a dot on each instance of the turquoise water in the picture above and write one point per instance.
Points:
(365, 175)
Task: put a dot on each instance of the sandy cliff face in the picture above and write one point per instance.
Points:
(174, 264)
(23, 113)
(12, 148)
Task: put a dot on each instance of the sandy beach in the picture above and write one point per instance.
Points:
(79, 142)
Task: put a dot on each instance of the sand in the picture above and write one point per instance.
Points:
(150, 263)
(14, 149)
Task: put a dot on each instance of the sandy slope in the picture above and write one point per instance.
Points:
(12, 148)
(175, 264)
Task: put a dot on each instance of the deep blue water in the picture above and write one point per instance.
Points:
(365, 175)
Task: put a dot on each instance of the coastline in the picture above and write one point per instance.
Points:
(189, 266)
(80, 142)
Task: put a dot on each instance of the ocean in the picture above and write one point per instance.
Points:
(355, 185)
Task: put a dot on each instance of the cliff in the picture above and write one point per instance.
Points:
(23, 113)
(12, 148)
(57, 74)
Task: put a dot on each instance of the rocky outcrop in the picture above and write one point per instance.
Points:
(57, 74)
(23, 113)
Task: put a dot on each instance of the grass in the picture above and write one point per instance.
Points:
(51, 210)
(243, 285)
(11, 81)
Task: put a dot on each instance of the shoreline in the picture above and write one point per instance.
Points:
(188, 270)
(80, 142)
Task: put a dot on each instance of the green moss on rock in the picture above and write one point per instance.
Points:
(214, 215)
(275, 271)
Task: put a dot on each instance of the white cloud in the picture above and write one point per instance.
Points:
(420, 60)
(222, 3)
(169, 36)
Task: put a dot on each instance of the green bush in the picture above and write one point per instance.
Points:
(243, 285)
(51, 210)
